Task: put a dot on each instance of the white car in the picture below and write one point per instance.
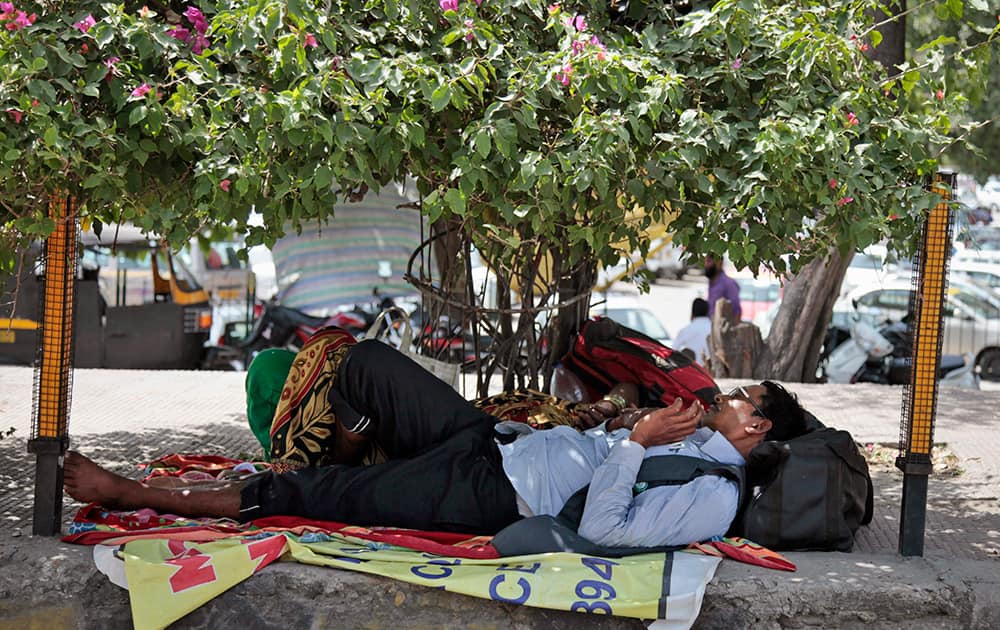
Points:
(986, 275)
(873, 265)
(971, 318)
(636, 318)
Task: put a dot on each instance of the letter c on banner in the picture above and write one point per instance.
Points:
(496, 596)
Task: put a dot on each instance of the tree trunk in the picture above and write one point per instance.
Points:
(571, 317)
(792, 348)
(890, 52)
(793, 345)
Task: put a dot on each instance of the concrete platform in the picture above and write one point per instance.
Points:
(125, 417)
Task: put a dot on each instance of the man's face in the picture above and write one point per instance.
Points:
(738, 415)
(711, 268)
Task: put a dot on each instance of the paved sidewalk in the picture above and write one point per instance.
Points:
(122, 418)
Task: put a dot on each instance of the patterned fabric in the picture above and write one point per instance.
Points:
(538, 410)
(304, 426)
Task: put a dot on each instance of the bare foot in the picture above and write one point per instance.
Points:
(87, 482)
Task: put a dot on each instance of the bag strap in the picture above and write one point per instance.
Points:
(406, 336)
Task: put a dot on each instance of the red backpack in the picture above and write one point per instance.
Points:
(606, 353)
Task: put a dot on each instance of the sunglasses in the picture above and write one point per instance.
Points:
(741, 392)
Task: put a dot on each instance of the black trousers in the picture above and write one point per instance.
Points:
(443, 473)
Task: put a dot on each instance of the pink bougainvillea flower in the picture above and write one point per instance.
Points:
(6, 7)
(579, 23)
(34, 102)
(577, 46)
(564, 75)
(199, 44)
(553, 9)
(852, 119)
(110, 62)
(197, 19)
(737, 63)
(310, 41)
(601, 48)
(448, 5)
(16, 115)
(833, 183)
(893, 216)
(85, 24)
(939, 95)
(144, 12)
(179, 32)
(224, 185)
(141, 91)
(479, 3)
(843, 201)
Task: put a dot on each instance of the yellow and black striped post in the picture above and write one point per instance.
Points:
(53, 368)
(930, 282)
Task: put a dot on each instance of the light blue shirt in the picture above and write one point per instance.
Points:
(547, 467)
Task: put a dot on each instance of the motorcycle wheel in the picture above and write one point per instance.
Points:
(989, 365)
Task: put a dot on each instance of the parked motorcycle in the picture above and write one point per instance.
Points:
(866, 354)
(282, 326)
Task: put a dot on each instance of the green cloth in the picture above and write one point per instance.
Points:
(265, 379)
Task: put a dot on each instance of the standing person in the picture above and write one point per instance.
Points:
(721, 286)
(694, 336)
(450, 467)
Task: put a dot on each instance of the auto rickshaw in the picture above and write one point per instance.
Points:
(135, 306)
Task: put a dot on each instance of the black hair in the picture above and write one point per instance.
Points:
(788, 418)
(699, 308)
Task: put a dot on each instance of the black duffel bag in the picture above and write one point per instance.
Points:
(809, 493)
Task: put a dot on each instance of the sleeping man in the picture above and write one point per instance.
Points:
(452, 467)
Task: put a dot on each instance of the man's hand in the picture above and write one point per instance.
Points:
(668, 425)
(588, 416)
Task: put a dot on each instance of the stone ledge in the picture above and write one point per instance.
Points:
(47, 584)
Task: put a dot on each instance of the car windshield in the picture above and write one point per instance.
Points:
(638, 319)
(981, 305)
(751, 291)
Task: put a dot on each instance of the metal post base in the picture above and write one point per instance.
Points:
(47, 517)
(913, 515)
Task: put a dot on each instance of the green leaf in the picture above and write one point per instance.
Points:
(449, 38)
(11, 155)
(455, 200)
(137, 114)
(323, 177)
(910, 79)
(483, 143)
(943, 40)
(440, 97)
(39, 63)
(51, 136)
(94, 180)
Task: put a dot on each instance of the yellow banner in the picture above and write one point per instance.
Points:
(168, 579)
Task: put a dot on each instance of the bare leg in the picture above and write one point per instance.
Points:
(87, 482)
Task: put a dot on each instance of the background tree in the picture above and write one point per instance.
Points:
(552, 135)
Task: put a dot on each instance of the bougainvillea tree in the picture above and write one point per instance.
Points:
(566, 129)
